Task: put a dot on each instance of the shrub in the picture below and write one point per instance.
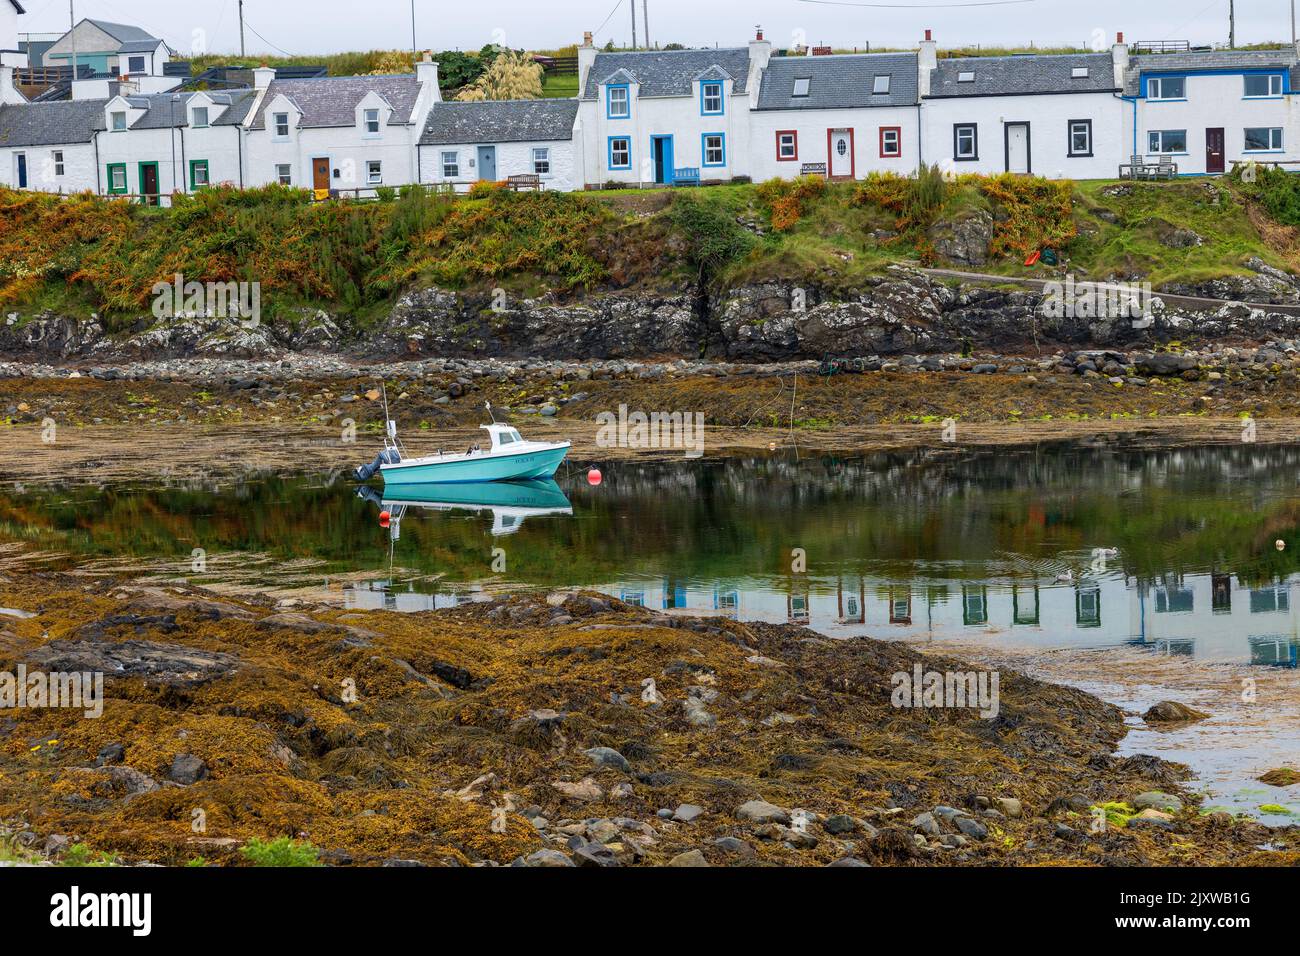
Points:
(787, 200)
(280, 852)
(713, 237)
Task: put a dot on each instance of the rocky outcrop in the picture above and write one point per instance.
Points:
(902, 312)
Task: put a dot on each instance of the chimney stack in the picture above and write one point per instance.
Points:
(8, 91)
(586, 60)
(927, 60)
(760, 54)
(1119, 60)
(426, 74)
(262, 77)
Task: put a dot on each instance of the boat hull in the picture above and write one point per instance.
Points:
(525, 465)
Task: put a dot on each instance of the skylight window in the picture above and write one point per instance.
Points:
(801, 85)
(966, 76)
(881, 84)
(1079, 73)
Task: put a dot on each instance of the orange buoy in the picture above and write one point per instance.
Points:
(384, 519)
(594, 477)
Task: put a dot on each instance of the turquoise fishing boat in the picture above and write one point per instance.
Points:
(508, 457)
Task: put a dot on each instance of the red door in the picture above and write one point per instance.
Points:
(1214, 150)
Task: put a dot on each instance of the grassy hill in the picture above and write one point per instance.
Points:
(85, 254)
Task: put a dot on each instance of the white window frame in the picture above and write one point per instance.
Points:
(959, 130)
(374, 172)
(367, 122)
(966, 76)
(1274, 79)
(895, 151)
(56, 156)
(284, 174)
(1274, 135)
(787, 138)
(710, 90)
(721, 149)
(1077, 125)
(118, 117)
(1156, 87)
(877, 87)
(450, 167)
(113, 171)
(1156, 142)
(623, 100)
(627, 148)
(542, 160)
(194, 121)
(281, 121)
(802, 87)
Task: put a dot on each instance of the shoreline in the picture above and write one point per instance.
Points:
(536, 703)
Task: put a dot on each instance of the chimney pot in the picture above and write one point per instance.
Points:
(1119, 37)
(928, 36)
(586, 38)
(760, 34)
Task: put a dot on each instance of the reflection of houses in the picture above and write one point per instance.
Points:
(1188, 615)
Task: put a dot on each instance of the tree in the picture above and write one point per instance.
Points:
(513, 75)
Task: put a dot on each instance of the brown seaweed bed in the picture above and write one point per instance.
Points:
(463, 737)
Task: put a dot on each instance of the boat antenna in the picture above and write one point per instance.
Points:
(489, 411)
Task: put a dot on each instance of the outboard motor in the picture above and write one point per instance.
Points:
(389, 456)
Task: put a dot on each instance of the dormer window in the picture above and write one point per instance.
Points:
(1079, 73)
(200, 117)
(802, 86)
(372, 122)
(881, 84)
(618, 103)
(282, 125)
(711, 99)
(966, 76)
(135, 64)
(119, 122)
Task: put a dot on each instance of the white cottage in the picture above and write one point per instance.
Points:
(464, 143)
(1058, 116)
(666, 115)
(840, 116)
(153, 146)
(50, 147)
(349, 134)
(1210, 109)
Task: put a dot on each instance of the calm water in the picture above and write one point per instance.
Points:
(916, 545)
(1163, 554)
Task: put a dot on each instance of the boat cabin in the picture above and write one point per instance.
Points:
(503, 436)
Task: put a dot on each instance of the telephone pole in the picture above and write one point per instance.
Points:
(645, 21)
(632, 4)
(413, 43)
(72, 26)
(242, 54)
(1232, 25)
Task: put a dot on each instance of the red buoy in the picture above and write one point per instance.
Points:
(384, 519)
(594, 477)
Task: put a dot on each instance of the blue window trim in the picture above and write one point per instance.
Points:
(1253, 71)
(609, 101)
(722, 100)
(704, 152)
(609, 159)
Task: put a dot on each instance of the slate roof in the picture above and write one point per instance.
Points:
(51, 124)
(669, 72)
(500, 121)
(162, 116)
(124, 33)
(333, 100)
(140, 46)
(1225, 60)
(838, 82)
(1033, 73)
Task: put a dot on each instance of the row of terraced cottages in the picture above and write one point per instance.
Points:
(673, 117)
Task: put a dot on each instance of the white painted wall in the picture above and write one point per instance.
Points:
(347, 149)
(812, 127)
(1216, 101)
(678, 116)
(42, 176)
(513, 159)
(1048, 117)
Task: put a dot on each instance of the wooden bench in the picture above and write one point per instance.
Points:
(686, 176)
(522, 181)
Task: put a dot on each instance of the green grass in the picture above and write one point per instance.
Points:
(560, 87)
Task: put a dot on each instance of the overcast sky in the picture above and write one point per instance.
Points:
(303, 27)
